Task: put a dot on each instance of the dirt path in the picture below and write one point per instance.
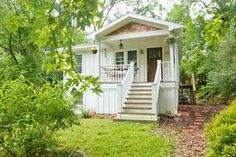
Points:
(187, 128)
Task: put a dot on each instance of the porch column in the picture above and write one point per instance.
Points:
(172, 49)
(99, 58)
(176, 52)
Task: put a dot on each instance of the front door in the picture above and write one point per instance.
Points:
(153, 54)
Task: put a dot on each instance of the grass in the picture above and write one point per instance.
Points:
(104, 138)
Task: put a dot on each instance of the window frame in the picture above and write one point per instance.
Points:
(79, 65)
(119, 61)
(125, 55)
(129, 61)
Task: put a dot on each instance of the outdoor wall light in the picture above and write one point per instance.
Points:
(141, 51)
(105, 52)
(121, 45)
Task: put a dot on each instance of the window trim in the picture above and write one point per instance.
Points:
(79, 66)
(136, 57)
(121, 62)
(125, 51)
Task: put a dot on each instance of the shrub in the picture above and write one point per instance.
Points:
(29, 115)
(221, 133)
(84, 112)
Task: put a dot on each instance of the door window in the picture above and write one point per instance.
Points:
(154, 53)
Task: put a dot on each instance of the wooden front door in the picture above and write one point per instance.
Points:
(153, 54)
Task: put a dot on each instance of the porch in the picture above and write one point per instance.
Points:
(115, 56)
(116, 73)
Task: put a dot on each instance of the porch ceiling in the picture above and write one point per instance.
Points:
(131, 42)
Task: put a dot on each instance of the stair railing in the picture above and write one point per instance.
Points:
(155, 88)
(125, 85)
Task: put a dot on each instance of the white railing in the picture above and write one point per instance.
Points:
(156, 87)
(114, 73)
(127, 81)
(166, 71)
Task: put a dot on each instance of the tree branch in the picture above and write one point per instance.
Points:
(11, 50)
(8, 150)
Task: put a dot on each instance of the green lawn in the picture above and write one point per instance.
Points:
(104, 138)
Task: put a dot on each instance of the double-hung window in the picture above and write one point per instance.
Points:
(120, 58)
(132, 57)
(79, 63)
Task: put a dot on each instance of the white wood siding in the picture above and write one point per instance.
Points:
(105, 103)
(90, 100)
(90, 64)
(168, 98)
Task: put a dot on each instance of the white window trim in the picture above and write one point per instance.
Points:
(126, 55)
(81, 64)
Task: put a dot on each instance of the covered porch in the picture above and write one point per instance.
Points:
(116, 55)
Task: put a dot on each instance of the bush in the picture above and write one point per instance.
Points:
(84, 112)
(222, 78)
(29, 115)
(221, 133)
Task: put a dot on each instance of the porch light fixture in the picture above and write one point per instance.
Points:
(105, 52)
(121, 45)
(141, 51)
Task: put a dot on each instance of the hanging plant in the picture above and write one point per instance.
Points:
(94, 50)
(171, 39)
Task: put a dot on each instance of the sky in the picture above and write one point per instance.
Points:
(123, 8)
(166, 4)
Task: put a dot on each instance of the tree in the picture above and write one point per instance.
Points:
(141, 7)
(204, 40)
(32, 33)
(36, 41)
(222, 78)
(193, 56)
(30, 115)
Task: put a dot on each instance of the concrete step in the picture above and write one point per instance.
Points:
(140, 92)
(138, 116)
(142, 100)
(140, 89)
(137, 105)
(137, 109)
(139, 96)
(135, 93)
(136, 120)
(141, 84)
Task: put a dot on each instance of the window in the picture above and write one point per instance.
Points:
(79, 63)
(154, 53)
(132, 57)
(119, 58)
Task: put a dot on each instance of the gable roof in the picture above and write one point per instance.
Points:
(138, 19)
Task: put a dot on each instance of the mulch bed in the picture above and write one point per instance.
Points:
(187, 128)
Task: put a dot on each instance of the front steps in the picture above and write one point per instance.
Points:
(138, 104)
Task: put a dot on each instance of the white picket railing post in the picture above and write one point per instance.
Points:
(166, 71)
(156, 87)
(126, 82)
(113, 74)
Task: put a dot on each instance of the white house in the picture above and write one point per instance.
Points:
(137, 61)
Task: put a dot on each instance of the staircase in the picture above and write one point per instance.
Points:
(138, 104)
